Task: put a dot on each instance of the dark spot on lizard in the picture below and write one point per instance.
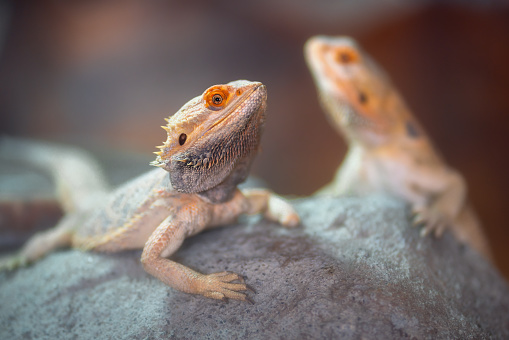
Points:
(412, 130)
(363, 98)
(182, 138)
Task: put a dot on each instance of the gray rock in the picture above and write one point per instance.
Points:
(354, 269)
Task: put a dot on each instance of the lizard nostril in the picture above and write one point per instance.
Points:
(182, 138)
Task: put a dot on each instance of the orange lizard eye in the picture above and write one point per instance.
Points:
(346, 56)
(216, 98)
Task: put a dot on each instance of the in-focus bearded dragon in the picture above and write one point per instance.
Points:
(388, 149)
(211, 143)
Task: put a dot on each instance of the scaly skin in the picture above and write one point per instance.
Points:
(211, 143)
(388, 149)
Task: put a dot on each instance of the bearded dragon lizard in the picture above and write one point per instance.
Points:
(211, 143)
(388, 149)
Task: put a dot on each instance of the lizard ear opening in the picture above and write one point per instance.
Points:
(182, 138)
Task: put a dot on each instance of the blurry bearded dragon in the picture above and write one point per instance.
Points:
(211, 143)
(388, 149)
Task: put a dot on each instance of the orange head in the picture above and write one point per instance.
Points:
(212, 134)
(356, 93)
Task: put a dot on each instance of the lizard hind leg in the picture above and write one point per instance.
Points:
(41, 244)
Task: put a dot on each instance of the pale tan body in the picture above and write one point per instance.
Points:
(388, 150)
(149, 213)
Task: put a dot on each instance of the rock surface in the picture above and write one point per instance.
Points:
(354, 269)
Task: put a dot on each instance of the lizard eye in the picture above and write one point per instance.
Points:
(346, 56)
(216, 97)
(182, 138)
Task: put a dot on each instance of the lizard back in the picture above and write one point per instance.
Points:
(123, 204)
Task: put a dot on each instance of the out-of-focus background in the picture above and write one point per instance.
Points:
(103, 75)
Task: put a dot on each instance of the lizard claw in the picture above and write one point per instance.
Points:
(437, 229)
(219, 286)
(430, 220)
(248, 299)
(249, 287)
(418, 215)
(418, 219)
(424, 231)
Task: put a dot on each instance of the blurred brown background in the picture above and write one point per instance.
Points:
(104, 74)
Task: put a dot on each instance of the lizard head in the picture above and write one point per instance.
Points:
(355, 92)
(214, 137)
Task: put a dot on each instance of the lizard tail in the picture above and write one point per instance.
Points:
(42, 243)
(78, 177)
(45, 242)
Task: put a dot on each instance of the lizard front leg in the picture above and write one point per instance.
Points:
(448, 208)
(192, 218)
(41, 244)
(442, 206)
(167, 238)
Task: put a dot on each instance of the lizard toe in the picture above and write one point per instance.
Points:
(418, 219)
(424, 232)
(219, 286)
(12, 262)
(225, 276)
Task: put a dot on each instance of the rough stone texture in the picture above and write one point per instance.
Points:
(354, 269)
